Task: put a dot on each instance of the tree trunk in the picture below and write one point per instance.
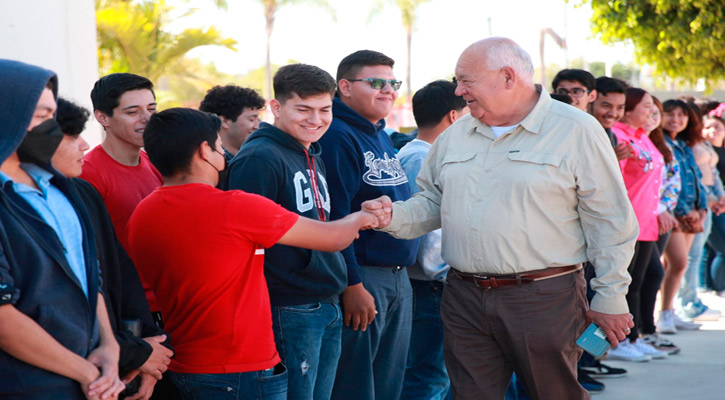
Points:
(409, 39)
(269, 10)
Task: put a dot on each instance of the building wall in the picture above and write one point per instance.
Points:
(59, 35)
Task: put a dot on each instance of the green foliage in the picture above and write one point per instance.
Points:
(680, 38)
(132, 37)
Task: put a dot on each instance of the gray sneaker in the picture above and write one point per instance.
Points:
(661, 343)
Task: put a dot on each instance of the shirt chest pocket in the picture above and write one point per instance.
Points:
(456, 170)
(532, 169)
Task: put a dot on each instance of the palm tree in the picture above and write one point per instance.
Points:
(132, 38)
(270, 9)
(407, 18)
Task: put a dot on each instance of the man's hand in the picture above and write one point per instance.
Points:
(160, 358)
(623, 151)
(382, 207)
(666, 222)
(108, 385)
(359, 307)
(615, 326)
(146, 389)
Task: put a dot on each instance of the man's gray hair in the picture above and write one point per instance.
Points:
(506, 53)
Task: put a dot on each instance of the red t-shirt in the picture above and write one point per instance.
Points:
(122, 188)
(202, 252)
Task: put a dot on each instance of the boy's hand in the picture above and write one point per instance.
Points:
(359, 307)
(624, 151)
(368, 220)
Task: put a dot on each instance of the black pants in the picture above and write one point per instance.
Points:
(638, 269)
(648, 293)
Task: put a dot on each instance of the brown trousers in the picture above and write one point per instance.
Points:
(530, 329)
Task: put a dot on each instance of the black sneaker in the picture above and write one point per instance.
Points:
(590, 384)
(600, 370)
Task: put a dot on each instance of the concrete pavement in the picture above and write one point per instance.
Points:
(696, 373)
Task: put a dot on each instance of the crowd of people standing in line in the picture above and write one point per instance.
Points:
(202, 254)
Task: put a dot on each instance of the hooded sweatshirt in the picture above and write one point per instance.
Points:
(275, 165)
(361, 165)
(35, 274)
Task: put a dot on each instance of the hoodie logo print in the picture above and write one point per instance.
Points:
(384, 171)
(303, 192)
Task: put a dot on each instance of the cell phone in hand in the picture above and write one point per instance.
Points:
(593, 340)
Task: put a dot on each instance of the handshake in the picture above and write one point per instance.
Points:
(380, 211)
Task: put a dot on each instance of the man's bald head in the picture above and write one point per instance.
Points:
(500, 52)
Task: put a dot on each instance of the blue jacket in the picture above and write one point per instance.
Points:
(34, 273)
(273, 164)
(361, 165)
(693, 193)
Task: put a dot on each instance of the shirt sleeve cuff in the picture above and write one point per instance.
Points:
(611, 305)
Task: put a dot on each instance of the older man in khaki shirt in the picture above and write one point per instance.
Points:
(525, 190)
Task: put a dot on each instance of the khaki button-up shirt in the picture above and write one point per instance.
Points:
(548, 193)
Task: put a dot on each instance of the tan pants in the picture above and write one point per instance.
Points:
(530, 329)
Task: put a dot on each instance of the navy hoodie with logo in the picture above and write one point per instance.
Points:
(275, 165)
(361, 165)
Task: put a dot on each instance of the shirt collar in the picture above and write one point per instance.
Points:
(534, 120)
(631, 131)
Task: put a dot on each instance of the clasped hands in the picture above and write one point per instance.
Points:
(382, 208)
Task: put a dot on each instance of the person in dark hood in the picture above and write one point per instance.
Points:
(145, 348)
(282, 162)
(55, 337)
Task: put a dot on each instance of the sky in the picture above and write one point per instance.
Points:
(443, 29)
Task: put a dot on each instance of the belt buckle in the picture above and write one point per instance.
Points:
(490, 279)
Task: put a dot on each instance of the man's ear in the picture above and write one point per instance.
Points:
(344, 86)
(274, 106)
(592, 96)
(225, 122)
(204, 150)
(509, 76)
(101, 117)
(452, 116)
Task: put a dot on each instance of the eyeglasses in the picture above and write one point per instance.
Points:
(379, 83)
(575, 92)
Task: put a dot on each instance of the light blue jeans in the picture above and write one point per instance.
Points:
(270, 384)
(688, 288)
(308, 341)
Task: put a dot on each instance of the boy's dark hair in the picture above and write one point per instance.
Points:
(172, 136)
(71, 117)
(108, 90)
(230, 101)
(606, 85)
(575, 75)
(692, 134)
(433, 101)
(352, 64)
(561, 97)
(302, 79)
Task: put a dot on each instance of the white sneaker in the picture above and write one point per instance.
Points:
(627, 351)
(649, 350)
(666, 322)
(684, 325)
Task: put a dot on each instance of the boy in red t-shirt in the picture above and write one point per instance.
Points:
(202, 251)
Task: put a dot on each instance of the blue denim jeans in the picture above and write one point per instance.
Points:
(308, 340)
(425, 373)
(270, 384)
(373, 361)
(688, 288)
(716, 270)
